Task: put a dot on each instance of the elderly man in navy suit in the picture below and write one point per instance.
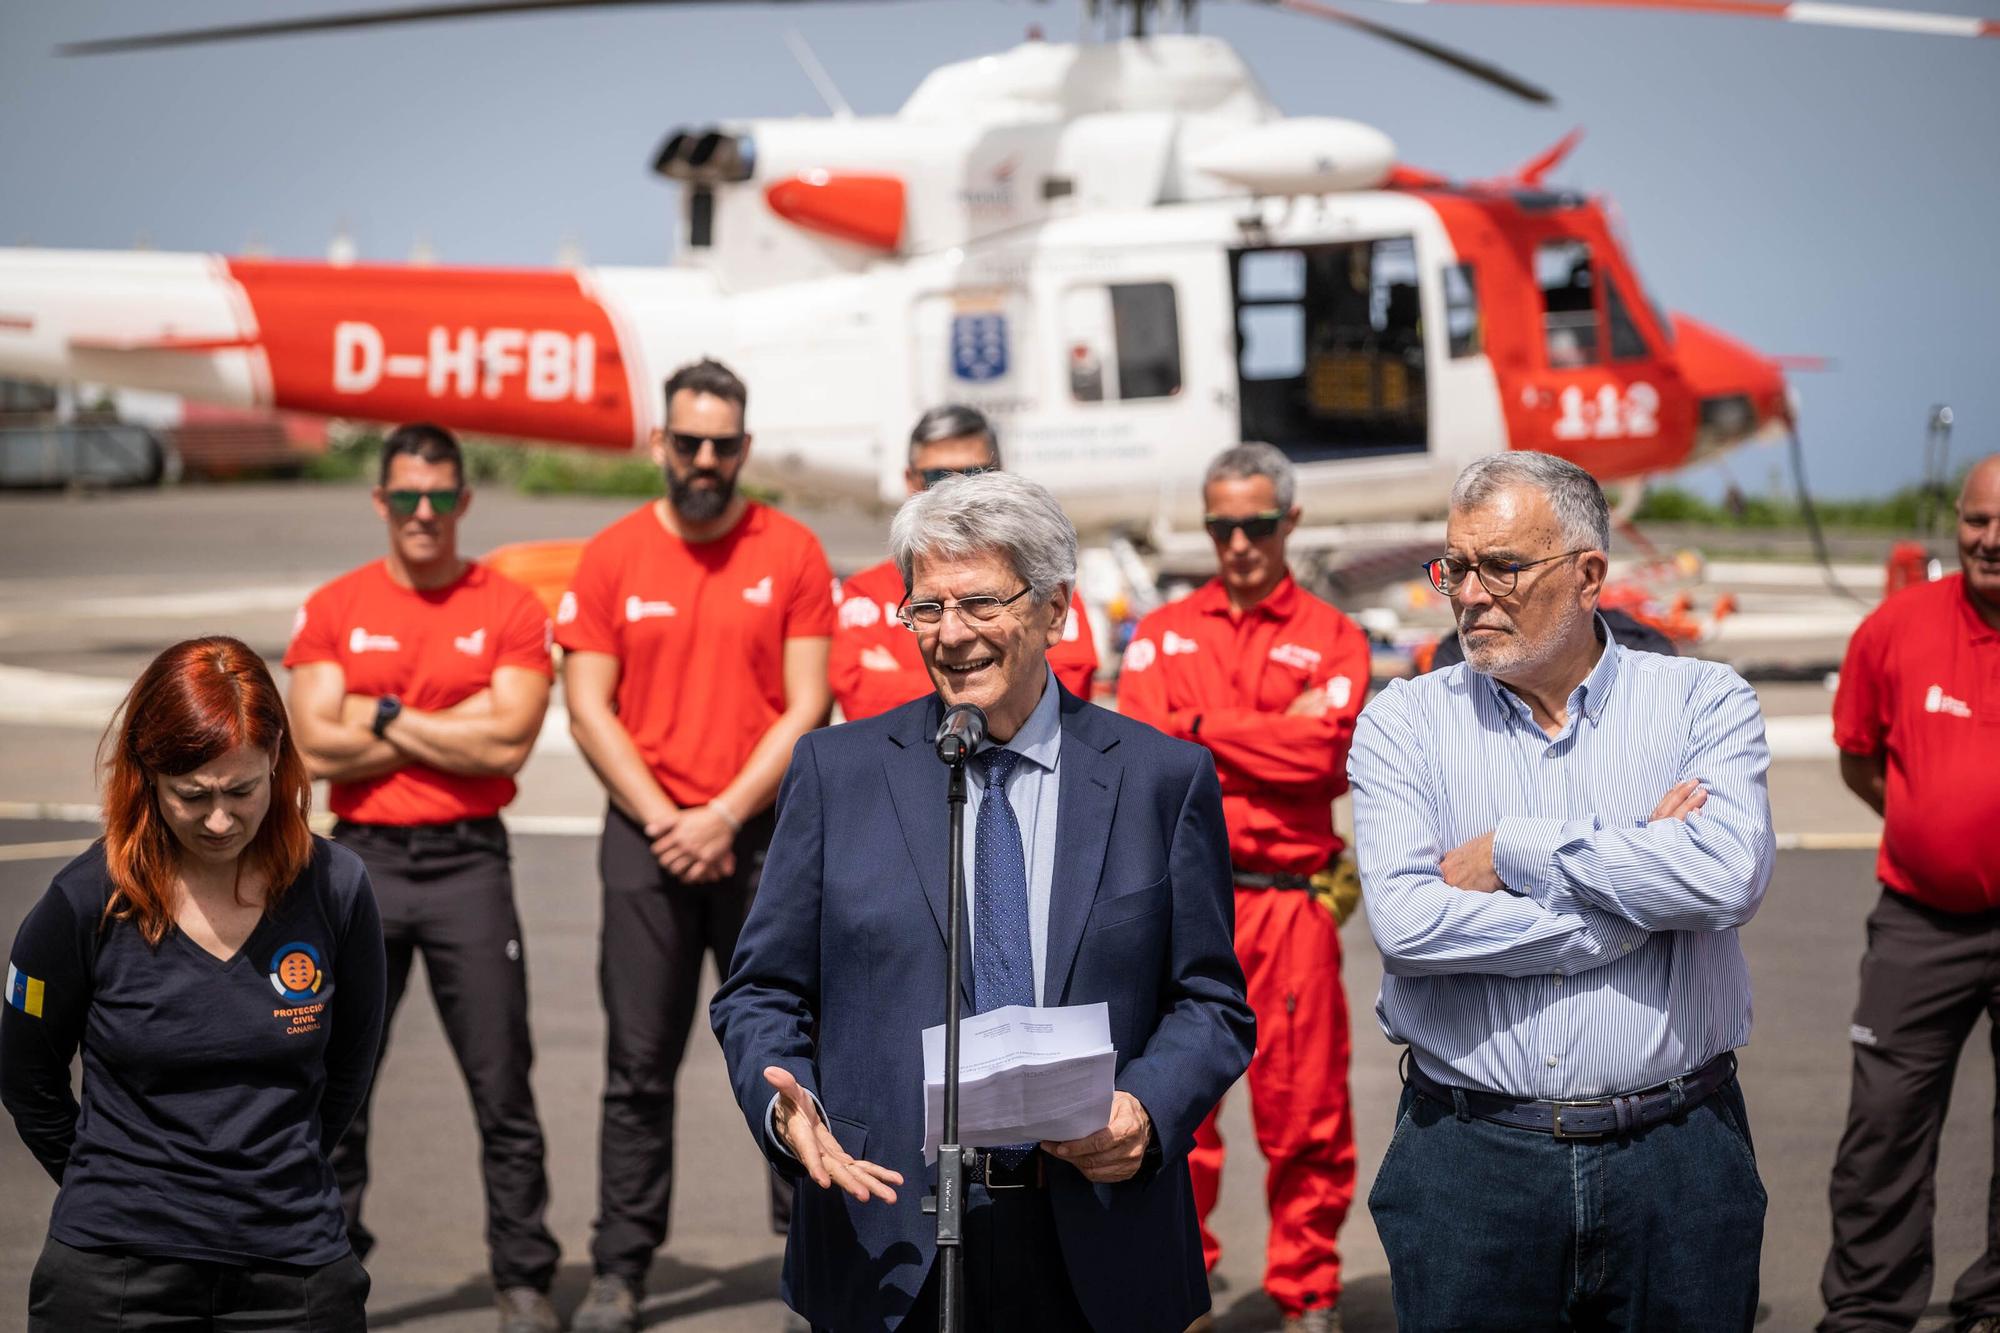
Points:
(1097, 869)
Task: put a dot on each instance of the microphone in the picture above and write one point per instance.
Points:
(964, 726)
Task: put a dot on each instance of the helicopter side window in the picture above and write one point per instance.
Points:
(1627, 344)
(1461, 311)
(1124, 341)
(1330, 348)
(1564, 272)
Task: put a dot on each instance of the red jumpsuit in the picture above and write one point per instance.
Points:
(874, 664)
(1199, 672)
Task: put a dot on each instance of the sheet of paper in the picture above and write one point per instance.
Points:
(1025, 1074)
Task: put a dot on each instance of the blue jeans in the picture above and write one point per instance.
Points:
(1490, 1228)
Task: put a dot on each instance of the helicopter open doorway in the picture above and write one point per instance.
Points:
(1330, 348)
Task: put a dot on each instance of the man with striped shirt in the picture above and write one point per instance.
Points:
(1558, 840)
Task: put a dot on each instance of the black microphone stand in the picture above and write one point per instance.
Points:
(949, 1202)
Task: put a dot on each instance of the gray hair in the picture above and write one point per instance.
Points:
(951, 422)
(994, 511)
(1574, 495)
(1255, 459)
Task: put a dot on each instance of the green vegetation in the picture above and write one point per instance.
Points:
(1901, 512)
(529, 469)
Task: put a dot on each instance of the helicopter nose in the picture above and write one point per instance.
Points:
(1741, 393)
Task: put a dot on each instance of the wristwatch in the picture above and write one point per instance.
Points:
(387, 709)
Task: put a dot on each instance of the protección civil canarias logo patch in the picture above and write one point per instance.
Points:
(296, 973)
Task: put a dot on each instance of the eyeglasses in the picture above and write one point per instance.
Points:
(1256, 527)
(726, 446)
(933, 475)
(403, 504)
(1499, 577)
(921, 616)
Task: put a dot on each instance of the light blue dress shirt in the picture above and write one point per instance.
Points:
(1033, 793)
(1611, 962)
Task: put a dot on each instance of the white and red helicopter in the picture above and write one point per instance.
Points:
(1123, 251)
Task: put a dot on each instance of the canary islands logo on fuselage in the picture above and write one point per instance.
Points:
(296, 973)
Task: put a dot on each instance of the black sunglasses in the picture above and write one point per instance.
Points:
(933, 475)
(726, 446)
(1256, 527)
(404, 503)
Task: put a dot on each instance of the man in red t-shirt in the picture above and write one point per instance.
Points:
(874, 664)
(1917, 721)
(418, 686)
(696, 635)
(1271, 679)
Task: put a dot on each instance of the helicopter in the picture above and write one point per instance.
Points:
(1122, 251)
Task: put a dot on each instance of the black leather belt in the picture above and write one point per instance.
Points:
(1275, 879)
(1604, 1118)
(484, 834)
(1027, 1174)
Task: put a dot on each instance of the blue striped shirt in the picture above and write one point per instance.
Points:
(1611, 962)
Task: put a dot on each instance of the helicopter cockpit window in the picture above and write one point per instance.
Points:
(1461, 311)
(1568, 280)
(1330, 348)
(1627, 344)
(1124, 341)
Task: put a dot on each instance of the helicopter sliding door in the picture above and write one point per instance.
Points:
(1330, 348)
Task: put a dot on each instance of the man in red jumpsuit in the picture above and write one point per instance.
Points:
(1270, 679)
(874, 665)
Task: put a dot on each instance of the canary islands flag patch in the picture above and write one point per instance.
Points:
(24, 992)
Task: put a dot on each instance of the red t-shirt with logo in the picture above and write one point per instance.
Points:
(432, 649)
(1195, 659)
(699, 631)
(1921, 687)
(874, 664)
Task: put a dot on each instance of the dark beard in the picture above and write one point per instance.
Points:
(700, 506)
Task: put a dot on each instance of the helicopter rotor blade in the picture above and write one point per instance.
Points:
(365, 18)
(1485, 71)
(1797, 11)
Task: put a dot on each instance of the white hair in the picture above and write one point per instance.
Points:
(1001, 512)
(1574, 495)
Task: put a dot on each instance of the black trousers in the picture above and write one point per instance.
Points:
(1015, 1277)
(656, 931)
(1925, 979)
(449, 895)
(91, 1291)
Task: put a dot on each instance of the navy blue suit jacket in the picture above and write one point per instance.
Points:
(842, 965)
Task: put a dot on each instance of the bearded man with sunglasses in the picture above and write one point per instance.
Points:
(875, 665)
(418, 686)
(696, 635)
(1270, 678)
(1558, 841)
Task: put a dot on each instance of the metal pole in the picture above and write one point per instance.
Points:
(951, 1158)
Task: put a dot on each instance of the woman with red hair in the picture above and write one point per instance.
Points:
(221, 969)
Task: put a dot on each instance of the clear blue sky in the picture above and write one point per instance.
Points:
(1810, 190)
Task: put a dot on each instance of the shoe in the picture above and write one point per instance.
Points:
(1319, 1319)
(525, 1310)
(610, 1306)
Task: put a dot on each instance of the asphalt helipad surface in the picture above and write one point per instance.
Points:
(89, 589)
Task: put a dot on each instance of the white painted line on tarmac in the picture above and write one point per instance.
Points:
(1866, 580)
(55, 812)
(1828, 842)
(63, 699)
(1806, 737)
(44, 851)
(1747, 626)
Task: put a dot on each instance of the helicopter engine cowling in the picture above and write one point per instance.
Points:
(1300, 155)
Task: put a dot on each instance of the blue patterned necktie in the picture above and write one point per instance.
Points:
(1003, 954)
